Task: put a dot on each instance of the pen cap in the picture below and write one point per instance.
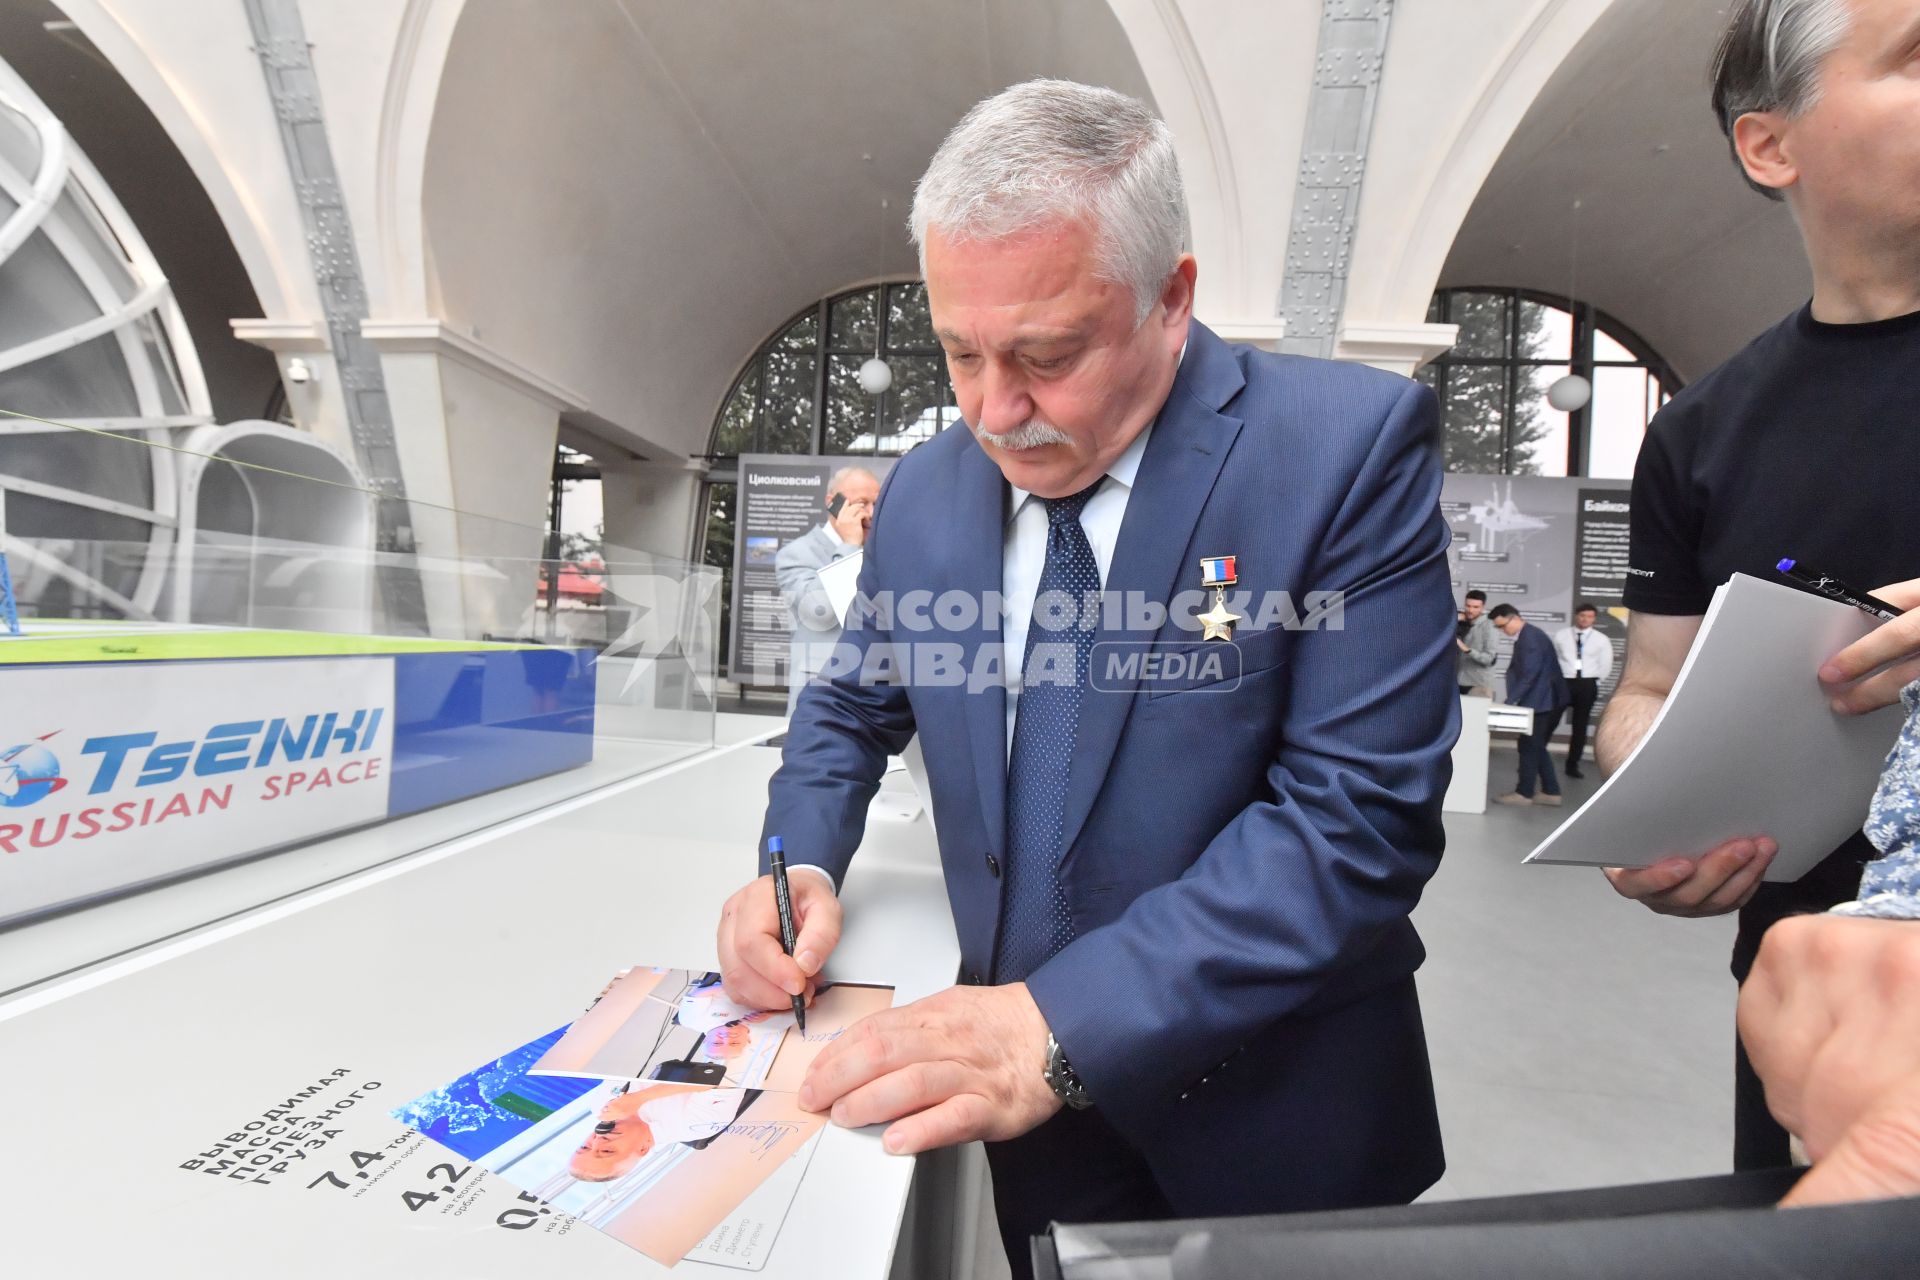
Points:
(774, 846)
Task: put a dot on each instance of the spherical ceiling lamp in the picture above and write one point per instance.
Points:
(1569, 395)
(876, 375)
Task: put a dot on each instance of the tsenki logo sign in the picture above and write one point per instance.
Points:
(115, 775)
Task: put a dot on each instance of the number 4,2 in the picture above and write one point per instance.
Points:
(415, 1199)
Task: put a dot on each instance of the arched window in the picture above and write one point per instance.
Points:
(1513, 345)
(801, 391)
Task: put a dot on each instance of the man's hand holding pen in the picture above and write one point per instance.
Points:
(753, 967)
(1855, 677)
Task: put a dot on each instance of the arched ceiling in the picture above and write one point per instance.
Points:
(676, 179)
(1670, 239)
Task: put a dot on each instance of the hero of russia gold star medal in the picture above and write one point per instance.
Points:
(1218, 573)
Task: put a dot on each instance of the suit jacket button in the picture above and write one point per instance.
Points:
(993, 865)
(974, 978)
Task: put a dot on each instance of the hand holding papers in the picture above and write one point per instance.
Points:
(953, 1067)
(1745, 745)
(1855, 677)
(840, 581)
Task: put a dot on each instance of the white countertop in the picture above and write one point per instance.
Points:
(411, 973)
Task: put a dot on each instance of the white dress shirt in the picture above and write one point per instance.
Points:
(1023, 556)
(1584, 653)
(707, 1008)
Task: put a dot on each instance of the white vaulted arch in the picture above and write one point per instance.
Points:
(249, 194)
(1433, 151)
(1183, 91)
(402, 289)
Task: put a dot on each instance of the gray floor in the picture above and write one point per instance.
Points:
(1577, 1038)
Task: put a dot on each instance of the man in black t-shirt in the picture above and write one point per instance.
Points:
(1807, 443)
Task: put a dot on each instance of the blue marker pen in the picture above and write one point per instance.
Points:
(783, 903)
(1834, 589)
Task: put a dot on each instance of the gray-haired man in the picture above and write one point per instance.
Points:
(1186, 964)
(851, 494)
(1803, 443)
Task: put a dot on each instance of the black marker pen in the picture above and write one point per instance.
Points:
(783, 905)
(1834, 589)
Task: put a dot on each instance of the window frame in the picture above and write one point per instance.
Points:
(723, 464)
(1587, 321)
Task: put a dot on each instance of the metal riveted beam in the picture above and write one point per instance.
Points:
(1333, 162)
(280, 40)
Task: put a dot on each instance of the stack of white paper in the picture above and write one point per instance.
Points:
(1746, 745)
(841, 581)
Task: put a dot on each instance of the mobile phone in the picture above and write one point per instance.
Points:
(682, 1071)
(833, 508)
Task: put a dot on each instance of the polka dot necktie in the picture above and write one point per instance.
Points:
(1034, 919)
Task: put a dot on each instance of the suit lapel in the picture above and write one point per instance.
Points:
(1190, 442)
(978, 539)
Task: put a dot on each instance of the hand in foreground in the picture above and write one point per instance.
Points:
(953, 1067)
(753, 968)
(1720, 881)
(1847, 674)
(1830, 1016)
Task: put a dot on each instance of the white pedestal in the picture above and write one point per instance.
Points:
(1467, 793)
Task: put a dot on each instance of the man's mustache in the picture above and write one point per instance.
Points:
(1031, 434)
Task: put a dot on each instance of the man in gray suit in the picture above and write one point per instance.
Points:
(851, 494)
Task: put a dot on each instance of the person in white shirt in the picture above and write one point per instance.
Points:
(706, 1006)
(746, 1048)
(1586, 658)
(851, 495)
(633, 1123)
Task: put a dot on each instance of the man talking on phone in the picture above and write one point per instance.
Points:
(851, 494)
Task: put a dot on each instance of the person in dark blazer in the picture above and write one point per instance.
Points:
(1181, 887)
(1533, 680)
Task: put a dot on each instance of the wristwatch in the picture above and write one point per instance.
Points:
(1062, 1078)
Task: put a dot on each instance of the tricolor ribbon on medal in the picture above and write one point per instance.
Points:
(1218, 573)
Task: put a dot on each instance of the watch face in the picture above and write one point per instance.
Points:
(1060, 1077)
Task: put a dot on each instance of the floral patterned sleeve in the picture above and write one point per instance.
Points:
(1890, 888)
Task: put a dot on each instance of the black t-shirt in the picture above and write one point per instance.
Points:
(1805, 444)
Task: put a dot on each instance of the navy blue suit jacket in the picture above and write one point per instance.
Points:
(1533, 673)
(1240, 860)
